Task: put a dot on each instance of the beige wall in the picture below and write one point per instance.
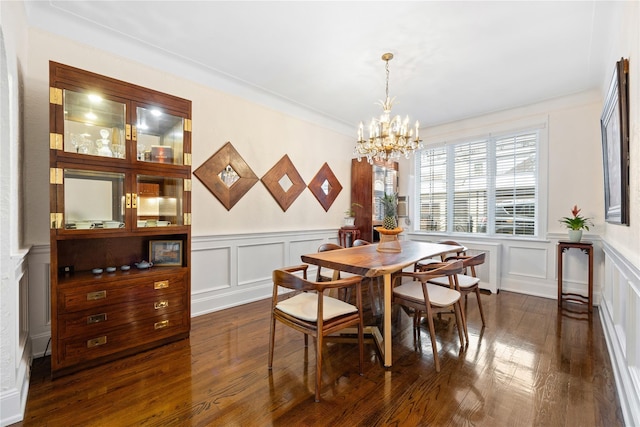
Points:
(626, 43)
(570, 159)
(262, 136)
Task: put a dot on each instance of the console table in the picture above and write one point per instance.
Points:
(587, 248)
(348, 235)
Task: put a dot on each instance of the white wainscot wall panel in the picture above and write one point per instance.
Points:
(526, 261)
(39, 300)
(258, 261)
(231, 270)
(620, 316)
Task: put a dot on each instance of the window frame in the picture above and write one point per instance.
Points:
(540, 175)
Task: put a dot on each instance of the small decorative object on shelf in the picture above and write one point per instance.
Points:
(576, 224)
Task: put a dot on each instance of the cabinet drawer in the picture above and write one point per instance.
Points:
(101, 319)
(85, 347)
(102, 293)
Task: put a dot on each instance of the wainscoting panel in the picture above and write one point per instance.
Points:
(620, 316)
(526, 261)
(210, 269)
(15, 345)
(257, 261)
(230, 270)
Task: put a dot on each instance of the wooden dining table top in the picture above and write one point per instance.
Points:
(367, 261)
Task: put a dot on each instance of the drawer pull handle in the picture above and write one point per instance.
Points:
(96, 318)
(161, 304)
(161, 284)
(160, 325)
(96, 341)
(92, 296)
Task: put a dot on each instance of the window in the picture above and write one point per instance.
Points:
(484, 185)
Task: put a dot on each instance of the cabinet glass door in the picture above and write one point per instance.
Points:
(93, 199)
(384, 181)
(160, 201)
(94, 125)
(160, 136)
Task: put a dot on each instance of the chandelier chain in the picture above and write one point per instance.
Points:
(387, 87)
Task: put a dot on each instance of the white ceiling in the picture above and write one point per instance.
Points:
(453, 60)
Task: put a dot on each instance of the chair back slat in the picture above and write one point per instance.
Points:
(289, 280)
(443, 269)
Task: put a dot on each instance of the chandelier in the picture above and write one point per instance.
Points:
(388, 138)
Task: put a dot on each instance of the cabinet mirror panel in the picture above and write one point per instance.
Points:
(384, 181)
(160, 201)
(93, 199)
(94, 125)
(160, 136)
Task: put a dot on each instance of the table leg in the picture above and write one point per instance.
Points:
(387, 320)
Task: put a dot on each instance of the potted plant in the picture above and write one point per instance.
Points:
(350, 215)
(576, 224)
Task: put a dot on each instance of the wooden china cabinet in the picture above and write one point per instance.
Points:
(369, 182)
(120, 197)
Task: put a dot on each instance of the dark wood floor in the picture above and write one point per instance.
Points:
(531, 366)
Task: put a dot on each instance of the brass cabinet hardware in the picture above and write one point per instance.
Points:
(92, 296)
(96, 318)
(187, 185)
(128, 200)
(160, 325)
(55, 175)
(187, 159)
(187, 218)
(55, 141)
(161, 304)
(127, 131)
(97, 341)
(162, 284)
(187, 125)
(55, 95)
(134, 200)
(134, 133)
(56, 220)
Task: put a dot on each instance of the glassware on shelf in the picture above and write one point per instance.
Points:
(102, 144)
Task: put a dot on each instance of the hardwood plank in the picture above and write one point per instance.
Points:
(531, 365)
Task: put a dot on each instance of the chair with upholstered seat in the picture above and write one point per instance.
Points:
(307, 309)
(417, 266)
(422, 296)
(335, 274)
(343, 294)
(468, 282)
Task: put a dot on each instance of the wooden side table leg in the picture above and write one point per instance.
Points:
(590, 279)
(560, 251)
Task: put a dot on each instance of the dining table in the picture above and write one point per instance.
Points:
(367, 261)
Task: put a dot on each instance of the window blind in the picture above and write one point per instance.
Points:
(486, 185)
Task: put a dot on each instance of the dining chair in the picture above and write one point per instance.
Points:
(335, 275)
(307, 309)
(375, 292)
(468, 281)
(417, 266)
(422, 296)
(343, 294)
